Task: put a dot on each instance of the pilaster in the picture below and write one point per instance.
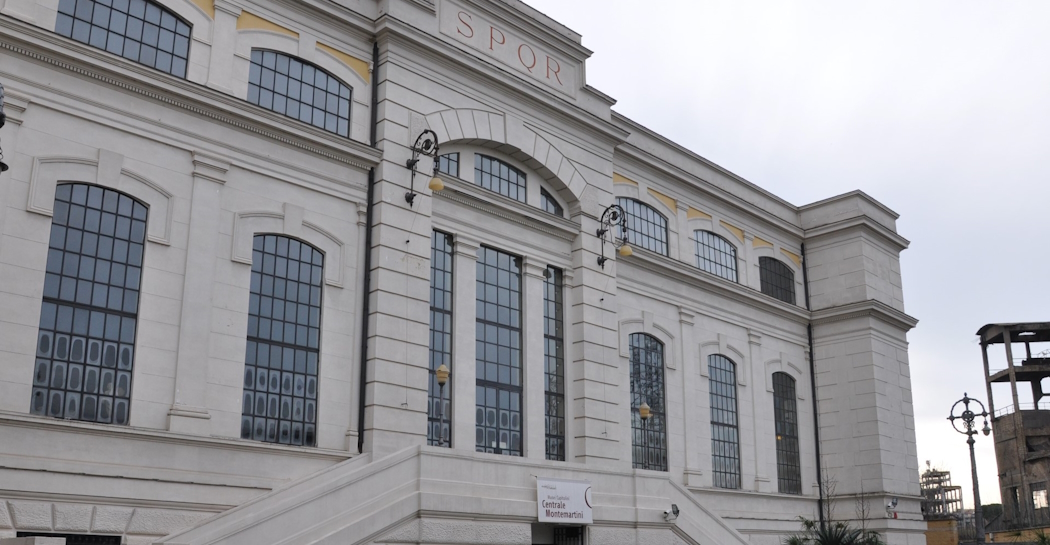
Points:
(189, 413)
(533, 363)
(762, 479)
(223, 46)
(464, 371)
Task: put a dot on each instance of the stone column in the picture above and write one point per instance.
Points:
(189, 413)
(533, 360)
(464, 371)
(352, 433)
(691, 411)
(223, 46)
(758, 381)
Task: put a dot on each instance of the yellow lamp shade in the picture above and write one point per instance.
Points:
(626, 250)
(644, 411)
(442, 374)
(436, 184)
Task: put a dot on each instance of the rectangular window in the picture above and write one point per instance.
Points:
(449, 164)
(725, 438)
(554, 364)
(439, 413)
(1039, 498)
(785, 415)
(498, 356)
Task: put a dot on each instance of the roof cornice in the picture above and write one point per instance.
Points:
(870, 308)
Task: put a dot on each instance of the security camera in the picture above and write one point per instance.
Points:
(672, 513)
(892, 503)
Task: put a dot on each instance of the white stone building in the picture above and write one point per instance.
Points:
(172, 372)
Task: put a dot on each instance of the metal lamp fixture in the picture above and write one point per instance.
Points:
(426, 144)
(442, 378)
(614, 215)
(3, 119)
(969, 430)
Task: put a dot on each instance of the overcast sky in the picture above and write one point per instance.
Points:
(940, 110)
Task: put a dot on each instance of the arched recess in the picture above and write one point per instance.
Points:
(289, 222)
(250, 39)
(724, 347)
(518, 140)
(783, 365)
(649, 324)
(107, 171)
(199, 19)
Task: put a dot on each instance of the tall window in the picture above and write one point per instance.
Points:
(498, 356)
(646, 228)
(449, 164)
(440, 338)
(85, 348)
(725, 437)
(138, 30)
(715, 255)
(549, 205)
(554, 364)
(495, 175)
(284, 339)
(785, 413)
(298, 89)
(777, 279)
(649, 438)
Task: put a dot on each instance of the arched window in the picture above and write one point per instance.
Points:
(298, 89)
(138, 30)
(725, 431)
(498, 176)
(777, 279)
(86, 344)
(785, 413)
(449, 164)
(548, 204)
(284, 339)
(648, 438)
(646, 228)
(715, 255)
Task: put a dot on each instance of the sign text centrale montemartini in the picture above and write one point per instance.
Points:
(507, 47)
(557, 509)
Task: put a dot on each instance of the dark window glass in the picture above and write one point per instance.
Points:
(440, 338)
(85, 348)
(777, 279)
(554, 364)
(649, 438)
(449, 164)
(284, 339)
(548, 204)
(568, 535)
(495, 175)
(138, 30)
(298, 89)
(77, 539)
(715, 255)
(646, 228)
(785, 412)
(498, 360)
(725, 440)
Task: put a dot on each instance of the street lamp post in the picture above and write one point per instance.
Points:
(967, 417)
(645, 413)
(442, 378)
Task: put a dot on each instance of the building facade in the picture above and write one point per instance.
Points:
(225, 297)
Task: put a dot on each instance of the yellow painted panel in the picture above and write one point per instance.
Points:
(694, 214)
(248, 21)
(618, 179)
(761, 243)
(355, 64)
(671, 203)
(734, 229)
(207, 5)
(792, 256)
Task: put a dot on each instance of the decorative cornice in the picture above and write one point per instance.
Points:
(861, 309)
(210, 167)
(861, 222)
(497, 205)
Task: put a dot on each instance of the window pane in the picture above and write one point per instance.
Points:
(646, 228)
(157, 47)
(785, 412)
(649, 437)
(439, 430)
(725, 441)
(499, 377)
(81, 310)
(554, 364)
(715, 255)
(449, 164)
(548, 204)
(281, 356)
(291, 87)
(777, 279)
(495, 175)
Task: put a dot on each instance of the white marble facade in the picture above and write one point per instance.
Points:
(488, 77)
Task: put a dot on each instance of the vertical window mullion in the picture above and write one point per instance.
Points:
(440, 338)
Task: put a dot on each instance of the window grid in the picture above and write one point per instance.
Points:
(715, 255)
(85, 346)
(284, 330)
(554, 364)
(549, 205)
(498, 176)
(646, 228)
(789, 468)
(300, 90)
(498, 360)
(725, 441)
(568, 535)
(138, 30)
(649, 439)
(449, 164)
(440, 337)
(778, 280)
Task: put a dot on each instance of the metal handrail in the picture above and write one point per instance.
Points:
(1029, 406)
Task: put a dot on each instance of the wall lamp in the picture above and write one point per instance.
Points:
(426, 144)
(3, 118)
(613, 216)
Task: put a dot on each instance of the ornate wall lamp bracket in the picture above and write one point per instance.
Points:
(3, 118)
(426, 144)
(613, 216)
